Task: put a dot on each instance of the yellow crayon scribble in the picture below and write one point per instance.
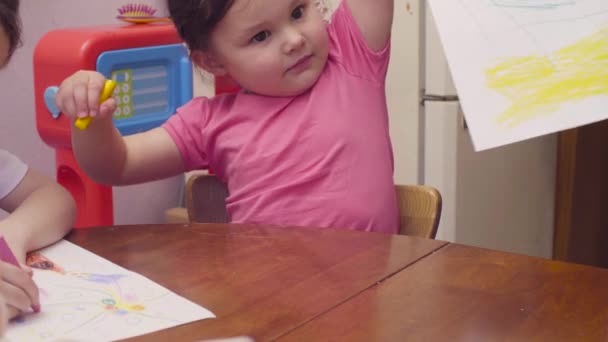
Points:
(538, 85)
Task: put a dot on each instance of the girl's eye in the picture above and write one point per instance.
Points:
(298, 12)
(260, 37)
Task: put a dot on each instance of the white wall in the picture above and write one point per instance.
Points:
(505, 196)
(403, 92)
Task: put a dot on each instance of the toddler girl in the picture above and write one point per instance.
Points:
(306, 140)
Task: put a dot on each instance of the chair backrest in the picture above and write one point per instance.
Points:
(206, 199)
(419, 210)
(419, 206)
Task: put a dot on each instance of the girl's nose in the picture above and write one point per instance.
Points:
(294, 40)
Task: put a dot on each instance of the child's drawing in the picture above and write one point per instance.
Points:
(538, 85)
(107, 304)
(526, 68)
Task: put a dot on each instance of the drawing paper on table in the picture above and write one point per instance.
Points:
(526, 68)
(85, 297)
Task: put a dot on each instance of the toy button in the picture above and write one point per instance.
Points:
(49, 100)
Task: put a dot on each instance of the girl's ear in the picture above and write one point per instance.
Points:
(208, 62)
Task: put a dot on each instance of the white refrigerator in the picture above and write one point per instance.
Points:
(501, 198)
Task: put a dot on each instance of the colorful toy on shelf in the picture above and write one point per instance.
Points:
(153, 77)
(139, 14)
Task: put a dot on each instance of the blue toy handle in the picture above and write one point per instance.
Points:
(49, 100)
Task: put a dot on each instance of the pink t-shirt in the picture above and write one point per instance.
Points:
(319, 159)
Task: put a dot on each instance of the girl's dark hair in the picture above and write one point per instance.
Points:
(9, 18)
(196, 19)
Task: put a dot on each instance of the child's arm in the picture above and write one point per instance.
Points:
(101, 151)
(108, 158)
(41, 212)
(375, 20)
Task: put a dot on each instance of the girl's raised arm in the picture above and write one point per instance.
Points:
(375, 20)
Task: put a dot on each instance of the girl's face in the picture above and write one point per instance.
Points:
(269, 47)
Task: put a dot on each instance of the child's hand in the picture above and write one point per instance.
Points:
(78, 96)
(18, 291)
(4, 315)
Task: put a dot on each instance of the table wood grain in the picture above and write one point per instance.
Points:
(259, 281)
(470, 294)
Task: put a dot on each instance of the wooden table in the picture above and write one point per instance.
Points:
(261, 282)
(325, 285)
(469, 294)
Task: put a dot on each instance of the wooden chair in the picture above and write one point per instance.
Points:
(419, 206)
(206, 199)
(419, 210)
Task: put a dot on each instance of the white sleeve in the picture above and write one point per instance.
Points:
(12, 171)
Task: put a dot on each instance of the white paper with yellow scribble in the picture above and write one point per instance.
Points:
(526, 68)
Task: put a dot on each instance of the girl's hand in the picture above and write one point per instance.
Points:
(18, 291)
(6, 313)
(78, 96)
